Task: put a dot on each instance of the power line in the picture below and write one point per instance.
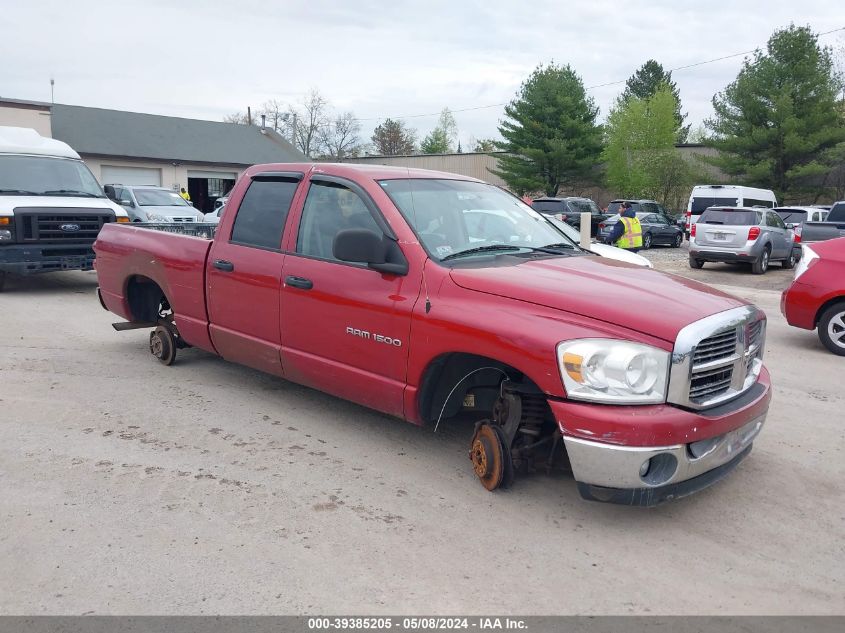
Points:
(610, 83)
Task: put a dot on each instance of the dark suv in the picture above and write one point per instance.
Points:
(570, 209)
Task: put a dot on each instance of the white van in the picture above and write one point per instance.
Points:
(704, 196)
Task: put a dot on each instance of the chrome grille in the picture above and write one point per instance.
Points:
(717, 358)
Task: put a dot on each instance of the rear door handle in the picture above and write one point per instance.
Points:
(222, 264)
(299, 282)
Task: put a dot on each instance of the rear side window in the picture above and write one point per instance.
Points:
(549, 206)
(700, 203)
(733, 217)
(261, 217)
(752, 202)
(793, 216)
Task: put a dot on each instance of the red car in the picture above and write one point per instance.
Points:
(816, 298)
(436, 299)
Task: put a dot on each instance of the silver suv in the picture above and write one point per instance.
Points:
(742, 234)
(146, 203)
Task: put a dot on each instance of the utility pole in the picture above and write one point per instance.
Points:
(52, 83)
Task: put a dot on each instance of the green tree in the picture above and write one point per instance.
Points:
(485, 145)
(646, 81)
(640, 154)
(392, 138)
(777, 125)
(550, 133)
(435, 142)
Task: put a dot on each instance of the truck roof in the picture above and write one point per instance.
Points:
(24, 140)
(376, 172)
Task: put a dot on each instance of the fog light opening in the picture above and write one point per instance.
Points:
(659, 469)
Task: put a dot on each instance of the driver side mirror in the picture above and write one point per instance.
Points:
(126, 203)
(377, 251)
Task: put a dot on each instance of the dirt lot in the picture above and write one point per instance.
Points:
(128, 487)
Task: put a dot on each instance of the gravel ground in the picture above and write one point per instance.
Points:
(131, 488)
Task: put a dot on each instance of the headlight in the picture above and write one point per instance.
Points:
(5, 235)
(157, 217)
(613, 371)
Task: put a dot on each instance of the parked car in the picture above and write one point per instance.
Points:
(738, 234)
(146, 203)
(816, 298)
(832, 227)
(51, 206)
(569, 210)
(362, 281)
(705, 196)
(602, 250)
(214, 216)
(657, 230)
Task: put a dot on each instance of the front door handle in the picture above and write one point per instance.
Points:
(222, 264)
(299, 282)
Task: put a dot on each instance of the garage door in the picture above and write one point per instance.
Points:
(112, 174)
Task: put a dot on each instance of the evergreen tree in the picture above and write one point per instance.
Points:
(550, 133)
(779, 124)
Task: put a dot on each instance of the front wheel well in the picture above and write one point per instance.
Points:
(146, 299)
(459, 381)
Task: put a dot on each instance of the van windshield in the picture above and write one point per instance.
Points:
(46, 176)
(700, 203)
(733, 217)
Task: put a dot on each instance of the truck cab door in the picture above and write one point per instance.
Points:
(345, 327)
(244, 273)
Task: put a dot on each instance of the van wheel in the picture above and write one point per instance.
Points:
(696, 263)
(789, 262)
(832, 328)
(760, 266)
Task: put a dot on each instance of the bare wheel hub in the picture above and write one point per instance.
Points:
(487, 456)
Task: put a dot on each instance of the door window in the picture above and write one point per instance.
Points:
(329, 209)
(261, 216)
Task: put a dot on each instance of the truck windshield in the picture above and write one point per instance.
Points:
(458, 216)
(46, 175)
(159, 198)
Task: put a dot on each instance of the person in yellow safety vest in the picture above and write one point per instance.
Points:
(628, 232)
(185, 194)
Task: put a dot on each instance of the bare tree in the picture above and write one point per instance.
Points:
(339, 138)
(236, 117)
(311, 116)
(276, 113)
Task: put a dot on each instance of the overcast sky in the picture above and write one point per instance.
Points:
(379, 58)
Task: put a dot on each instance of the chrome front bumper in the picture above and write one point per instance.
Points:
(619, 467)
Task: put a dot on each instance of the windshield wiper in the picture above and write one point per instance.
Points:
(73, 192)
(19, 192)
(568, 247)
(482, 249)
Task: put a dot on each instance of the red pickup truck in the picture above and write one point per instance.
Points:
(437, 298)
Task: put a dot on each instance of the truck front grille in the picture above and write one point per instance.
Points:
(718, 358)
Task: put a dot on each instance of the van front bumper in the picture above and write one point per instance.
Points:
(613, 460)
(28, 260)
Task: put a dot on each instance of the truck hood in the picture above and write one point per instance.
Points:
(635, 298)
(8, 203)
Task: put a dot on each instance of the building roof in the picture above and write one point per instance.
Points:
(100, 132)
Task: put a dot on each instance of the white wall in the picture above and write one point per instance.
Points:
(172, 176)
(18, 116)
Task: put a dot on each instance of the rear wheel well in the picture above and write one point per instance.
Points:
(825, 306)
(146, 299)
